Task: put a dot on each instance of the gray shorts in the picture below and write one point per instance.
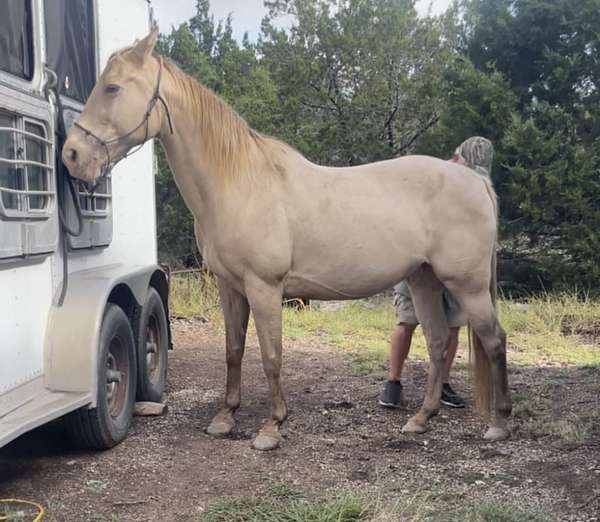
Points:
(405, 310)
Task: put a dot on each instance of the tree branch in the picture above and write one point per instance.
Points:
(417, 135)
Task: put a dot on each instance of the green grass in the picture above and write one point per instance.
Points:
(546, 414)
(547, 330)
(194, 294)
(282, 504)
(493, 510)
(361, 329)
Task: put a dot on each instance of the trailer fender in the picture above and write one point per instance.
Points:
(71, 348)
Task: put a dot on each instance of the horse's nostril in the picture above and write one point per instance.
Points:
(70, 156)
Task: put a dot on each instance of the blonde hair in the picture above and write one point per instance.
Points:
(231, 146)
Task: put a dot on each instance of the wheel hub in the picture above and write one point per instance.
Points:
(152, 344)
(116, 377)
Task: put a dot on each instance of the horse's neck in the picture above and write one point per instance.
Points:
(189, 164)
(215, 157)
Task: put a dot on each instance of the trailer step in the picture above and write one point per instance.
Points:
(41, 409)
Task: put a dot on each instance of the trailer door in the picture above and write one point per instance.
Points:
(28, 211)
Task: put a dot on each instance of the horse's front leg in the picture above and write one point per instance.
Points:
(236, 311)
(265, 302)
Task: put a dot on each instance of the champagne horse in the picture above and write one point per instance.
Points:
(271, 224)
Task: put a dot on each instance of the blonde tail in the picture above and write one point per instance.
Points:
(480, 363)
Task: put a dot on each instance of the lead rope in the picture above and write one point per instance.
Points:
(62, 178)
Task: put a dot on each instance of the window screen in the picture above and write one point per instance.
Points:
(37, 175)
(96, 203)
(70, 44)
(26, 170)
(9, 175)
(16, 42)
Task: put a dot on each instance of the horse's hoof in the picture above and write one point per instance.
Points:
(496, 433)
(264, 442)
(219, 428)
(412, 427)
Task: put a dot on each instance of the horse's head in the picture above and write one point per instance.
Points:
(122, 111)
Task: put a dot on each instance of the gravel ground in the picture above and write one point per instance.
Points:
(336, 437)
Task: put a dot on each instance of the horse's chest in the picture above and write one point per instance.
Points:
(220, 257)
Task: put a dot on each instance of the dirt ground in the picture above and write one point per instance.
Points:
(337, 437)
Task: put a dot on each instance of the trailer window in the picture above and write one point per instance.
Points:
(16, 42)
(37, 175)
(9, 175)
(26, 171)
(70, 45)
(95, 203)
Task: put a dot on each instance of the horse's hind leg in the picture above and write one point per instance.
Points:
(426, 292)
(491, 377)
(265, 301)
(236, 311)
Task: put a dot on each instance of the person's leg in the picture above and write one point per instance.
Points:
(391, 395)
(399, 348)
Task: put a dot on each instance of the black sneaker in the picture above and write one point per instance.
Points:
(391, 395)
(451, 398)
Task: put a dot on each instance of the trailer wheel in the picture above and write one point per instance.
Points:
(107, 424)
(153, 348)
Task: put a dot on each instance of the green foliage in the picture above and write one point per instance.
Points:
(176, 241)
(553, 194)
(546, 48)
(358, 80)
(475, 103)
(547, 169)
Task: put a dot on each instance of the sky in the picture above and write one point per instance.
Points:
(247, 14)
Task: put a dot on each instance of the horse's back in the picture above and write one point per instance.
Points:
(369, 226)
(415, 185)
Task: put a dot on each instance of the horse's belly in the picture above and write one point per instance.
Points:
(348, 280)
(295, 286)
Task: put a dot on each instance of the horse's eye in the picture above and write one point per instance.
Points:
(112, 89)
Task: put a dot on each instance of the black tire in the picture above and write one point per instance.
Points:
(107, 424)
(152, 348)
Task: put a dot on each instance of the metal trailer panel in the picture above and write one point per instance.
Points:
(26, 298)
(48, 354)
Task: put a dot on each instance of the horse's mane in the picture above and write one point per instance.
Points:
(231, 146)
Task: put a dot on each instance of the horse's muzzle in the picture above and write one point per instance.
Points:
(80, 157)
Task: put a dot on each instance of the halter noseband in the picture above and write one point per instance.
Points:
(108, 165)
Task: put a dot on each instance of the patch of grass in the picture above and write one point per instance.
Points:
(357, 327)
(543, 330)
(281, 504)
(541, 415)
(494, 510)
(546, 329)
(195, 294)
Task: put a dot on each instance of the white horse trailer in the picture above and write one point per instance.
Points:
(83, 304)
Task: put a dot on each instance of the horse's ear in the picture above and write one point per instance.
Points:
(144, 47)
